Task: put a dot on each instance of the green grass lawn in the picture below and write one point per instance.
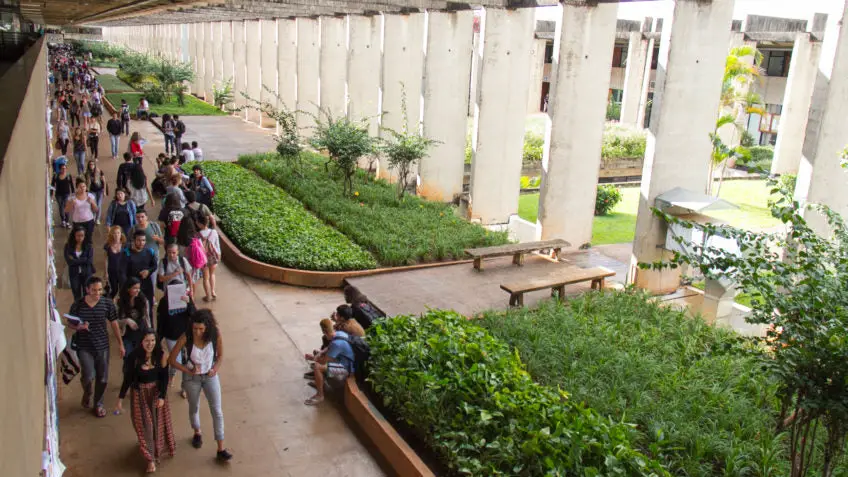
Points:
(619, 226)
(113, 84)
(193, 106)
(104, 64)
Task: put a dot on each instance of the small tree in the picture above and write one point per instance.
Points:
(345, 141)
(798, 284)
(222, 94)
(172, 76)
(404, 149)
(289, 142)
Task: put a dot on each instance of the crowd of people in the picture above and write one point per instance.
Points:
(142, 256)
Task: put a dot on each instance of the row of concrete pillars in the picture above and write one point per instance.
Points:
(362, 65)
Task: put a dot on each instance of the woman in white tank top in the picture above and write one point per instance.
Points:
(205, 351)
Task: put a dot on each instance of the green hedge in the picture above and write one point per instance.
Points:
(113, 84)
(397, 231)
(268, 225)
(697, 394)
(467, 396)
(623, 142)
(193, 106)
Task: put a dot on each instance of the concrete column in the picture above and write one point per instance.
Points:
(648, 73)
(403, 68)
(253, 32)
(537, 74)
(363, 69)
(570, 170)
(308, 51)
(333, 65)
(498, 134)
(218, 53)
(239, 64)
(821, 178)
(634, 76)
(227, 62)
(796, 104)
(287, 62)
(209, 60)
(447, 75)
(200, 58)
(686, 99)
(268, 55)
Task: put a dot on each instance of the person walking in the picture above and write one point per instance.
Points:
(146, 379)
(113, 127)
(125, 117)
(79, 150)
(85, 109)
(122, 212)
(94, 139)
(97, 185)
(212, 246)
(124, 171)
(136, 148)
(114, 249)
(75, 113)
(139, 188)
(139, 262)
(152, 232)
(62, 189)
(133, 315)
(82, 207)
(95, 313)
(179, 130)
(64, 136)
(204, 356)
(79, 258)
(168, 132)
(171, 325)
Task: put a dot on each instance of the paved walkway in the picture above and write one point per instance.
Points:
(267, 328)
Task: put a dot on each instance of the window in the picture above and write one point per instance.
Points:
(549, 52)
(776, 63)
(619, 57)
(655, 59)
(615, 95)
(770, 121)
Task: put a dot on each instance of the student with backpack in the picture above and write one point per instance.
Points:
(204, 355)
(364, 312)
(171, 325)
(168, 131)
(125, 117)
(336, 364)
(212, 248)
(179, 130)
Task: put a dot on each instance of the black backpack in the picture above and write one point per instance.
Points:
(179, 128)
(366, 314)
(361, 351)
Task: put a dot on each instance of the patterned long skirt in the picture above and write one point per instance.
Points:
(153, 426)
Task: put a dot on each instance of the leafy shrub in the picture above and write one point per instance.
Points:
(530, 182)
(622, 142)
(268, 225)
(788, 182)
(608, 196)
(397, 231)
(222, 94)
(534, 145)
(697, 393)
(760, 160)
(613, 111)
(345, 140)
(468, 397)
(154, 93)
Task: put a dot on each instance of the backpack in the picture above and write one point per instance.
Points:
(196, 253)
(161, 285)
(210, 250)
(366, 314)
(179, 128)
(361, 351)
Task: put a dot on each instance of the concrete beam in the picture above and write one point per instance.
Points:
(498, 132)
(686, 99)
(364, 69)
(570, 171)
(308, 53)
(239, 65)
(268, 62)
(447, 75)
(333, 65)
(209, 60)
(227, 46)
(253, 40)
(287, 62)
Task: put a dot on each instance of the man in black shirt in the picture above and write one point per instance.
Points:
(179, 130)
(114, 128)
(91, 339)
(140, 262)
(124, 171)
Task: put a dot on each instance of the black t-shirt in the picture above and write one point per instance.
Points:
(172, 326)
(124, 171)
(64, 187)
(114, 127)
(122, 215)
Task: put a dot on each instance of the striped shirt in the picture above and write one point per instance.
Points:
(98, 318)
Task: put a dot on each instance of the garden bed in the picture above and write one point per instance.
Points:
(271, 226)
(697, 394)
(396, 231)
(192, 107)
(113, 84)
(467, 397)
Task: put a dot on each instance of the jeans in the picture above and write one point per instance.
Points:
(178, 140)
(125, 127)
(169, 344)
(193, 384)
(75, 119)
(94, 146)
(170, 145)
(95, 366)
(63, 145)
(98, 198)
(80, 157)
(62, 200)
(114, 141)
(77, 283)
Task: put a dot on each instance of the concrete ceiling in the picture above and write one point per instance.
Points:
(134, 12)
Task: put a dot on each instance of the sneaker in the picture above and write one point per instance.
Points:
(197, 441)
(97, 221)
(224, 455)
(309, 375)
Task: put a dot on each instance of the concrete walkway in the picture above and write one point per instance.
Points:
(266, 327)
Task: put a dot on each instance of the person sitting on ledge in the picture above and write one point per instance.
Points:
(143, 110)
(334, 365)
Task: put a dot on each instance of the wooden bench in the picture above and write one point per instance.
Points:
(556, 281)
(517, 250)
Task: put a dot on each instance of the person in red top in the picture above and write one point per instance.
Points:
(135, 148)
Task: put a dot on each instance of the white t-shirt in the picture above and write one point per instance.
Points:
(201, 358)
(211, 235)
(188, 156)
(198, 154)
(145, 105)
